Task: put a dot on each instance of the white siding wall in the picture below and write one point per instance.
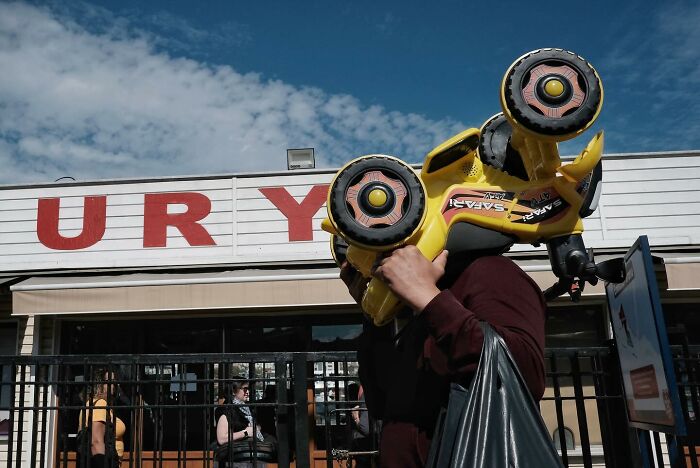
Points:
(658, 196)
(28, 331)
(262, 228)
(35, 337)
(122, 244)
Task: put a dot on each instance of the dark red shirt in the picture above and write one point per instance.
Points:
(406, 374)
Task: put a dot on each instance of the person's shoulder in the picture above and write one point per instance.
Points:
(493, 259)
(493, 263)
(218, 412)
(497, 277)
(497, 269)
(99, 403)
(236, 411)
(98, 410)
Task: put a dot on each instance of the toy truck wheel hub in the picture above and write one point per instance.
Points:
(553, 90)
(377, 199)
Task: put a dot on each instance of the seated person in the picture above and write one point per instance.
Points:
(235, 424)
(102, 433)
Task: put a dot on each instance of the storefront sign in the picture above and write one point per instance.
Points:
(157, 218)
(276, 218)
(186, 222)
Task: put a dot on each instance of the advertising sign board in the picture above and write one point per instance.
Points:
(638, 324)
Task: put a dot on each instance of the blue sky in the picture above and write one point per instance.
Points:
(128, 89)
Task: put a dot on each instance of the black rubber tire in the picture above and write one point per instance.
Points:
(339, 249)
(381, 236)
(495, 149)
(532, 119)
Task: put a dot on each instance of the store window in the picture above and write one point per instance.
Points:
(575, 326)
(182, 392)
(681, 320)
(339, 337)
(258, 337)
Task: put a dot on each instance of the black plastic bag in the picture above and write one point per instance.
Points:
(494, 424)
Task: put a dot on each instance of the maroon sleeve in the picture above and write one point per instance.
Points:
(495, 290)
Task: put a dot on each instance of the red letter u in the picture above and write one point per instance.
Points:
(94, 218)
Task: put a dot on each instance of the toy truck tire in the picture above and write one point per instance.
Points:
(339, 249)
(401, 186)
(552, 92)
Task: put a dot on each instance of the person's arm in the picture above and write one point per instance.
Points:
(411, 276)
(222, 431)
(492, 289)
(97, 434)
(361, 420)
(97, 438)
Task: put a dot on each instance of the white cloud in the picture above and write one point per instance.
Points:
(107, 103)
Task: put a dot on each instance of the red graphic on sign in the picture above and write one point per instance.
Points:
(644, 383)
(156, 218)
(298, 215)
(94, 216)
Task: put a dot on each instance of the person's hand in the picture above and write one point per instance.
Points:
(411, 276)
(356, 283)
(248, 431)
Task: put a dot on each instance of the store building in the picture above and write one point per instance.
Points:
(238, 263)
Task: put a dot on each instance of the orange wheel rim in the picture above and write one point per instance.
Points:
(390, 214)
(564, 72)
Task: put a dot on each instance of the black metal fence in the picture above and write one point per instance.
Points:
(306, 405)
(686, 361)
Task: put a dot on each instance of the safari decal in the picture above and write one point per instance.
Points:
(539, 206)
(493, 204)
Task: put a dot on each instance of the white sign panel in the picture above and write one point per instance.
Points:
(277, 218)
(212, 221)
(642, 345)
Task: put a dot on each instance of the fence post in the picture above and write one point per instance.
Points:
(624, 439)
(301, 421)
(282, 414)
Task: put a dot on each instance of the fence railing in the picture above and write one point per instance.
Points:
(305, 405)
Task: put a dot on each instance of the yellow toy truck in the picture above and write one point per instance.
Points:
(487, 188)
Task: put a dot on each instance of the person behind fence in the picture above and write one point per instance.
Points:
(406, 367)
(267, 418)
(100, 432)
(235, 429)
(359, 426)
